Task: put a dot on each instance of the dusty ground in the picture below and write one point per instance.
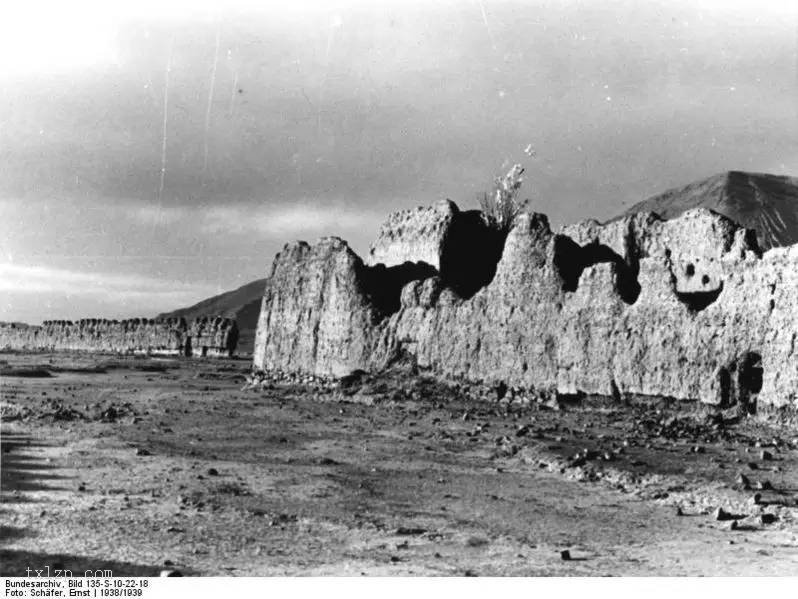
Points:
(139, 465)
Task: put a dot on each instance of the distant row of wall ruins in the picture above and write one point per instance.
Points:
(688, 308)
(202, 337)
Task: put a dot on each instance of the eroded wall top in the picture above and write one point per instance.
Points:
(207, 336)
(688, 308)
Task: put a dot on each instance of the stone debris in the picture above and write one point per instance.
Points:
(767, 518)
(722, 515)
(114, 412)
(410, 531)
(56, 410)
(283, 519)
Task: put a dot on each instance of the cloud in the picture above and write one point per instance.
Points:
(285, 221)
(316, 134)
(32, 292)
(150, 214)
(291, 220)
(16, 278)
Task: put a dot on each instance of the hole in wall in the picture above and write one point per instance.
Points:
(741, 381)
(501, 390)
(384, 284)
(616, 393)
(725, 386)
(696, 301)
(749, 379)
(571, 259)
(568, 261)
(470, 254)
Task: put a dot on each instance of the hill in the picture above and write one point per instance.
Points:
(243, 304)
(766, 203)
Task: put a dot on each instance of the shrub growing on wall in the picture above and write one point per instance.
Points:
(502, 206)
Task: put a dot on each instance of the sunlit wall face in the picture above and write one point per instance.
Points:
(155, 153)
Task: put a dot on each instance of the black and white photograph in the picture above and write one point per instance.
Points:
(413, 289)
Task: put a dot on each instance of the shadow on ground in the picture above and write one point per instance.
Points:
(16, 563)
(21, 473)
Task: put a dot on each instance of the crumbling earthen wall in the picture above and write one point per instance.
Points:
(417, 235)
(212, 336)
(688, 308)
(459, 245)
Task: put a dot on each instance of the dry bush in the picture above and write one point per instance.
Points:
(502, 206)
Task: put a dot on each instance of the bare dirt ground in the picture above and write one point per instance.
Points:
(138, 465)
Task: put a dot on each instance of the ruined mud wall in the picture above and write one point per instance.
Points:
(417, 235)
(173, 336)
(211, 336)
(459, 245)
(688, 308)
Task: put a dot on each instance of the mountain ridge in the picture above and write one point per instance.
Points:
(766, 203)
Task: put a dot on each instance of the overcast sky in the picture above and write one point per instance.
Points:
(297, 119)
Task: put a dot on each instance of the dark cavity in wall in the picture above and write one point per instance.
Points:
(616, 393)
(741, 381)
(232, 339)
(571, 259)
(698, 300)
(750, 379)
(470, 254)
(725, 385)
(469, 257)
(384, 284)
